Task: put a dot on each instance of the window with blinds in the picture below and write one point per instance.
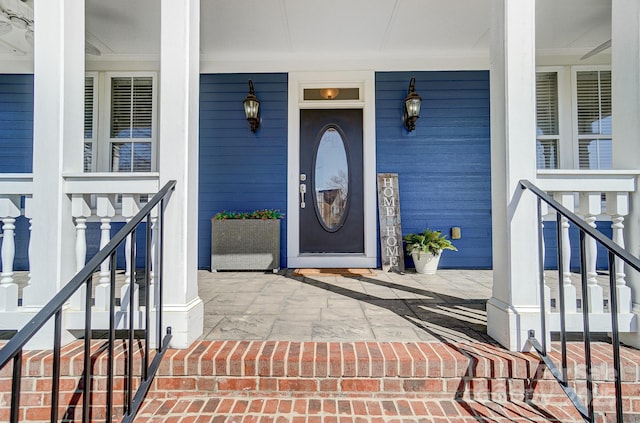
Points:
(131, 124)
(89, 119)
(547, 127)
(593, 99)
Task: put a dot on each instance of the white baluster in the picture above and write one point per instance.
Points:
(127, 258)
(28, 204)
(105, 210)
(570, 297)
(9, 210)
(80, 210)
(152, 274)
(618, 207)
(129, 209)
(590, 208)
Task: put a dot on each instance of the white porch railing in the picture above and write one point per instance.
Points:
(15, 191)
(107, 198)
(595, 196)
(103, 198)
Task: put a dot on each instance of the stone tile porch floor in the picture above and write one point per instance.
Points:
(446, 307)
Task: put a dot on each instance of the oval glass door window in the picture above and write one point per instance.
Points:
(331, 180)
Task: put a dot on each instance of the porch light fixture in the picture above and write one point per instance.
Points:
(329, 93)
(252, 108)
(411, 106)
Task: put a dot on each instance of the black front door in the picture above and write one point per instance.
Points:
(331, 188)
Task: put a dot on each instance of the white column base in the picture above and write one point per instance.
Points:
(595, 298)
(186, 322)
(510, 325)
(633, 338)
(78, 300)
(570, 299)
(623, 294)
(8, 297)
(102, 297)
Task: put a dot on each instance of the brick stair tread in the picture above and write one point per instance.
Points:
(278, 409)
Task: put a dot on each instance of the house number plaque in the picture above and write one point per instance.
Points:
(390, 229)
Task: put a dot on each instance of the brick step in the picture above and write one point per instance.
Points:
(374, 369)
(328, 410)
(353, 371)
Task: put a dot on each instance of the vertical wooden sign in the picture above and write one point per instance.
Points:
(391, 247)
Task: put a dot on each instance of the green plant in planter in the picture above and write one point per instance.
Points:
(264, 214)
(429, 241)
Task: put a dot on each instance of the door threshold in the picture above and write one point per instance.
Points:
(331, 255)
(309, 272)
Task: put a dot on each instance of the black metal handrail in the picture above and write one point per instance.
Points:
(614, 251)
(13, 350)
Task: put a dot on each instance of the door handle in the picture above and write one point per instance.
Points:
(303, 190)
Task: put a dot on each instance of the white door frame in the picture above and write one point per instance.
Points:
(298, 81)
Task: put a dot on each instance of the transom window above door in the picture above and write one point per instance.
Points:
(331, 93)
(120, 124)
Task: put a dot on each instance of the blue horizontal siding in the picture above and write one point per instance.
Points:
(16, 123)
(444, 166)
(240, 170)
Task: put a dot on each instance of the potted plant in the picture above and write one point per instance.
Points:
(246, 240)
(426, 248)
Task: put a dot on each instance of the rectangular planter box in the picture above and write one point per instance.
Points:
(245, 244)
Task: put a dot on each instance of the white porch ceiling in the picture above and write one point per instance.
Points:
(271, 30)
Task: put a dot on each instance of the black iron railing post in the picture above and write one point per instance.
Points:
(562, 300)
(543, 315)
(15, 387)
(585, 320)
(112, 336)
(131, 311)
(55, 386)
(160, 277)
(86, 383)
(147, 303)
(615, 334)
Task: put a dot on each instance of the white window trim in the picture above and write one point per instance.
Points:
(105, 140)
(366, 82)
(574, 107)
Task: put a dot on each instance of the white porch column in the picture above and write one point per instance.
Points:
(625, 67)
(514, 307)
(57, 143)
(179, 88)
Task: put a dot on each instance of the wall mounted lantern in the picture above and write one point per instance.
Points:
(252, 108)
(412, 106)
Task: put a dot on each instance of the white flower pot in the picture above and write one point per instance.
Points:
(427, 263)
